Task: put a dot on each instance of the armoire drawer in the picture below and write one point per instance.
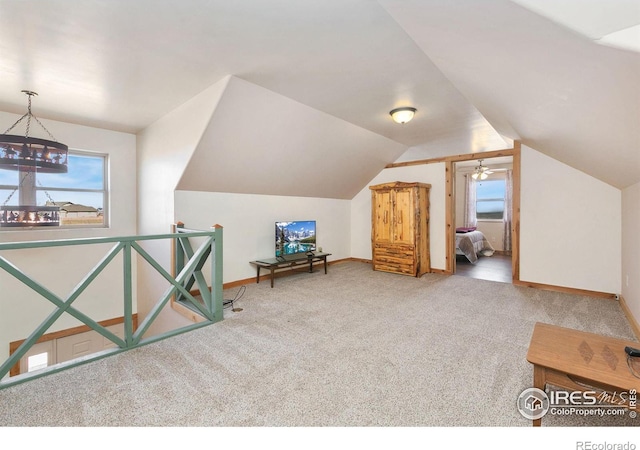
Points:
(394, 252)
(406, 269)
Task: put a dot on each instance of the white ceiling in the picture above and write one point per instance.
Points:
(479, 73)
(614, 23)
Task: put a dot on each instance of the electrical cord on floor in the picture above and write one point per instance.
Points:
(229, 303)
(630, 361)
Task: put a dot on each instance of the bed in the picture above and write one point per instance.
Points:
(471, 244)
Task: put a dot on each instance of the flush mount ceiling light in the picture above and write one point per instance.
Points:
(481, 172)
(402, 115)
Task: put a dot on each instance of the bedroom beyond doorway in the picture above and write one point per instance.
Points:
(483, 217)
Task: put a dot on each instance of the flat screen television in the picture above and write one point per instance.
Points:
(295, 237)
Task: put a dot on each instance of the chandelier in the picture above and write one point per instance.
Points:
(481, 172)
(28, 155)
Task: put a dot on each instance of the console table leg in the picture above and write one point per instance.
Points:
(325, 265)
(272, 276)
(539, 381)
(258, 277)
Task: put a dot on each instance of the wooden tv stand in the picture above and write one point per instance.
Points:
(289, 262)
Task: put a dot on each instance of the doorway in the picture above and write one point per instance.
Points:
(483, 215)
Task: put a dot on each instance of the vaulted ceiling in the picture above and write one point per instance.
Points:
(481, 74)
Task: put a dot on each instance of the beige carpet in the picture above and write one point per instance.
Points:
(351, 348)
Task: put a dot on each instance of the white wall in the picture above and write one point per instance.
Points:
(570, 223)
(61, 269)
(570, 231)
(202, 147)
(249, 224)
(164, 150)
(493, 230)
(631, 249)
(433, 174)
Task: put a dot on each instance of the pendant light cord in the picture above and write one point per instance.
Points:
(29, 115)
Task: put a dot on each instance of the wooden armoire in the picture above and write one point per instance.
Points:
(400, 228)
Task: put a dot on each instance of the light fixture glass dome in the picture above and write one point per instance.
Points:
(482, 176)
(402, 115)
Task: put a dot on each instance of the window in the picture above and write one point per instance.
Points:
(490, 199)
(81, 193)
(37, 362)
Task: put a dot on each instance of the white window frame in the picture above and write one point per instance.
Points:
(53, 190)
(478, 200)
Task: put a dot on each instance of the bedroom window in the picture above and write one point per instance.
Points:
(490, 200)
(81, 193)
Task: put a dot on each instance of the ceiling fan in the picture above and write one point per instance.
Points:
(481, 172)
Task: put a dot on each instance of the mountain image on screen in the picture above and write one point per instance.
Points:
(295, 237)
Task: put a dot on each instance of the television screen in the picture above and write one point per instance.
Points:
(295, 237)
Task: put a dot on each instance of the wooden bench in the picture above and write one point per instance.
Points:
(580, 361)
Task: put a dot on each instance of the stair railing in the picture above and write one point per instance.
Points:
(188, 267)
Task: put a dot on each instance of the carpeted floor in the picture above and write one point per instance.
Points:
(351, 348)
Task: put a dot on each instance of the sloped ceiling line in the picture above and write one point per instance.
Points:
(561, 93)
(478, 72)
(260, 142)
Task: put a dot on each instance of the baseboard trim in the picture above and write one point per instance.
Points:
(284, 273)
(566, 290)
(635, 326)
(187, 313)
(542, 286)
(362, 260)
(13, 346)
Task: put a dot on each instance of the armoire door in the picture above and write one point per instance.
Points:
(383, 217)
(403, 216)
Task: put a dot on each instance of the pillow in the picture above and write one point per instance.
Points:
(465, 229)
